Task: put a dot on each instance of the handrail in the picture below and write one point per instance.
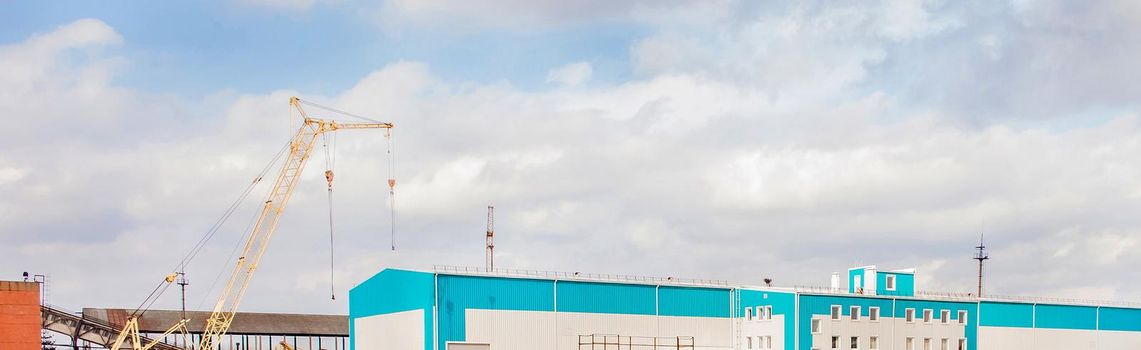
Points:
(508, 272)
(960, 296)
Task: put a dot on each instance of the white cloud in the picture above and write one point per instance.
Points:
(570, 75)
(287, 5)
(770, 135)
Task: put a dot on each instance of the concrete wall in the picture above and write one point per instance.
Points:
(19, 315)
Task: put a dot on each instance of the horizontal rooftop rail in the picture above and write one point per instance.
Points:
(583, 276)
(959, 296)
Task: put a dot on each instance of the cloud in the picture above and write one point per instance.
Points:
(570, 75)
(286, 5)
(785, 141)
(515, 14)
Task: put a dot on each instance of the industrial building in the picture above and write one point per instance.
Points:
(454, 308)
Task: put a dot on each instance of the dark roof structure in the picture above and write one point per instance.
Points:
(245, 323)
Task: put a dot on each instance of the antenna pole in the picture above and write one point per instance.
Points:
(182, 282)
(490, 258)
(981, 256)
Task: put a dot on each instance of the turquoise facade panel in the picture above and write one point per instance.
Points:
(391, 291)
(606, 298)
(1120, 319)
(904, 284)
(1065, 317)
(998, 314)
(456, 294)
(693, 301)
(782, 304)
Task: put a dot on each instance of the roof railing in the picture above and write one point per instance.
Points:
(584, 276)
(960, 296)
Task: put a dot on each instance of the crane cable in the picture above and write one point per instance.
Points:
(391, 186)
(210, 233)
(330, 163)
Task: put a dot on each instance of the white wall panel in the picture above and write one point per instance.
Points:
(892, 332)
(395, 331)
(511, 330)
(708, 332)
(760, 328)
(1056, 339)
(1112, 340)
(573, 324)
(540, 330)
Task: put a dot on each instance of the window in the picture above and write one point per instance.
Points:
(927, 316)
(874, 343)
(748, 314)
(835, 342)
(855, 313)
(889, 282)
(768, 312)
(944, 316)
(909, 315)
(816, 326)
(943, 345)
(749, 342)
(855, 343)
(962, 316)
(962, 344)
(926, 343)
(760, 312)
(768, 342)
(835, 312)
(874, 313)
(909, 344)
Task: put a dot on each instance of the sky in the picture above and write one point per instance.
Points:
(734, 140)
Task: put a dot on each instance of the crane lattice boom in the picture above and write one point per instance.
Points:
(300, 148)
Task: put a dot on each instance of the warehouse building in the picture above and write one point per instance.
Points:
(455, 308)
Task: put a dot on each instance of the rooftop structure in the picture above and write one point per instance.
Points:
(453, 308)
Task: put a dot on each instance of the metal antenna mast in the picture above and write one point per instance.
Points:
(981, 256)
(182, 283)
(490, 258)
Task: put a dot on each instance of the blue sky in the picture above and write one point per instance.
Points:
(195, 49)
(713, 139)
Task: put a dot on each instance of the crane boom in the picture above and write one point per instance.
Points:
(300, 147)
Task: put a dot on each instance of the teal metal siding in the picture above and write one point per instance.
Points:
(904, 284)
(392, 291)
(1120, 319)
(995, 314)
(459, 293)
(782, 303)
(606, 298)
(1065, 317)
(695, 302)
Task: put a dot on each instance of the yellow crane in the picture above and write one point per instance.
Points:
(300, 147)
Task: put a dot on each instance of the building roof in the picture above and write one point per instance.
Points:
(247, 323)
